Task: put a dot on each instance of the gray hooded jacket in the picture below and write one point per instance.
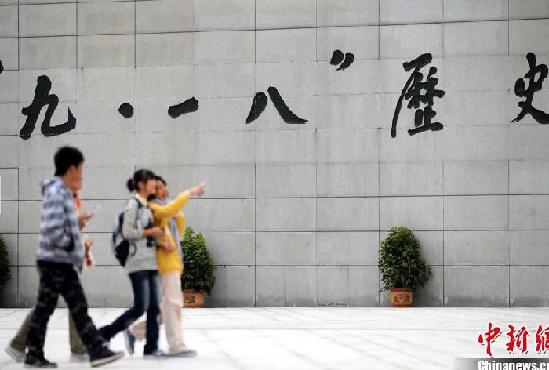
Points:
(59, 240)
(137, 217)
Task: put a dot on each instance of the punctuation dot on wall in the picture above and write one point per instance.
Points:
(126, 110)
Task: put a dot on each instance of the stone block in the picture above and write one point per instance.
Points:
(476, 212)
(417, 213)
(47, 20)
(286, 214)
(480, 286)
(285, 248)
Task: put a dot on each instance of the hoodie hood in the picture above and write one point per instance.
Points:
(52, 184)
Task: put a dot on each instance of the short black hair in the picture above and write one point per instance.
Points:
(65, 157)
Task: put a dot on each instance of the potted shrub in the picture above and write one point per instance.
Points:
(198, 276)
(4, 263)
(402, 268)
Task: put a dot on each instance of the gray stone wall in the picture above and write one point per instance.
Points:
(294, 213)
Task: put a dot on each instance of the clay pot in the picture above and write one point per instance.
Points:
(193, 299)
(402, 297)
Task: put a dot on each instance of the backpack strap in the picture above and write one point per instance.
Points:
(140, 208)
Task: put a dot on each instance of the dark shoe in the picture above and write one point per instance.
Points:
(105, 356)
(129, 339)
(38, 362)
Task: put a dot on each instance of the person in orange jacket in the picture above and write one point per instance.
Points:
(168, 216)
(89, 261)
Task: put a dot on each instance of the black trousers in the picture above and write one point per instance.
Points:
(56, 279)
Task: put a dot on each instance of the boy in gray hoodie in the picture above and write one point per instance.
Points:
(59, 259)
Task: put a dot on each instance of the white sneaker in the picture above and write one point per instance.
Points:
(15, 354)
(79, 357)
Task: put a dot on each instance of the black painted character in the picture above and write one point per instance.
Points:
(126, 110)
(345, 60)
(189, 105)
(260, 102)
(413, 92)
(1, 67)
(42, 98)
(528, 93)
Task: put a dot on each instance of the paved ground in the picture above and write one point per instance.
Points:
(310, 338)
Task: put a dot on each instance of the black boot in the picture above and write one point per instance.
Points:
(105, 356)
(33, 361)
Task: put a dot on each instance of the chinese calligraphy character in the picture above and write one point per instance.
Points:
(413, 93)
(42, 98)
(344, 59)
(258, 106)
(489, 337)
(528, 93)
(518, 339)
(189, 105)
(126, 110)
(1, 67)
(542, 339)
(260, 102)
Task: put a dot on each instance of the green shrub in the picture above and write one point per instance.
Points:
(400, 262)
(199, 266)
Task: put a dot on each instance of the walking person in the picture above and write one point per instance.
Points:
(59, 259)
(138, 229)
(168, 216)
(16, 348)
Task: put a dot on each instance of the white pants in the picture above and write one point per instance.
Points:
(170, 307)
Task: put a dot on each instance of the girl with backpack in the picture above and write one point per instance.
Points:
(139, 231)
(168, 215)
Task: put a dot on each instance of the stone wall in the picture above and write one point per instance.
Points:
(294, 213)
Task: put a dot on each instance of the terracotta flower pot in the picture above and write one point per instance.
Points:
(193, 299)
(402, 297)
